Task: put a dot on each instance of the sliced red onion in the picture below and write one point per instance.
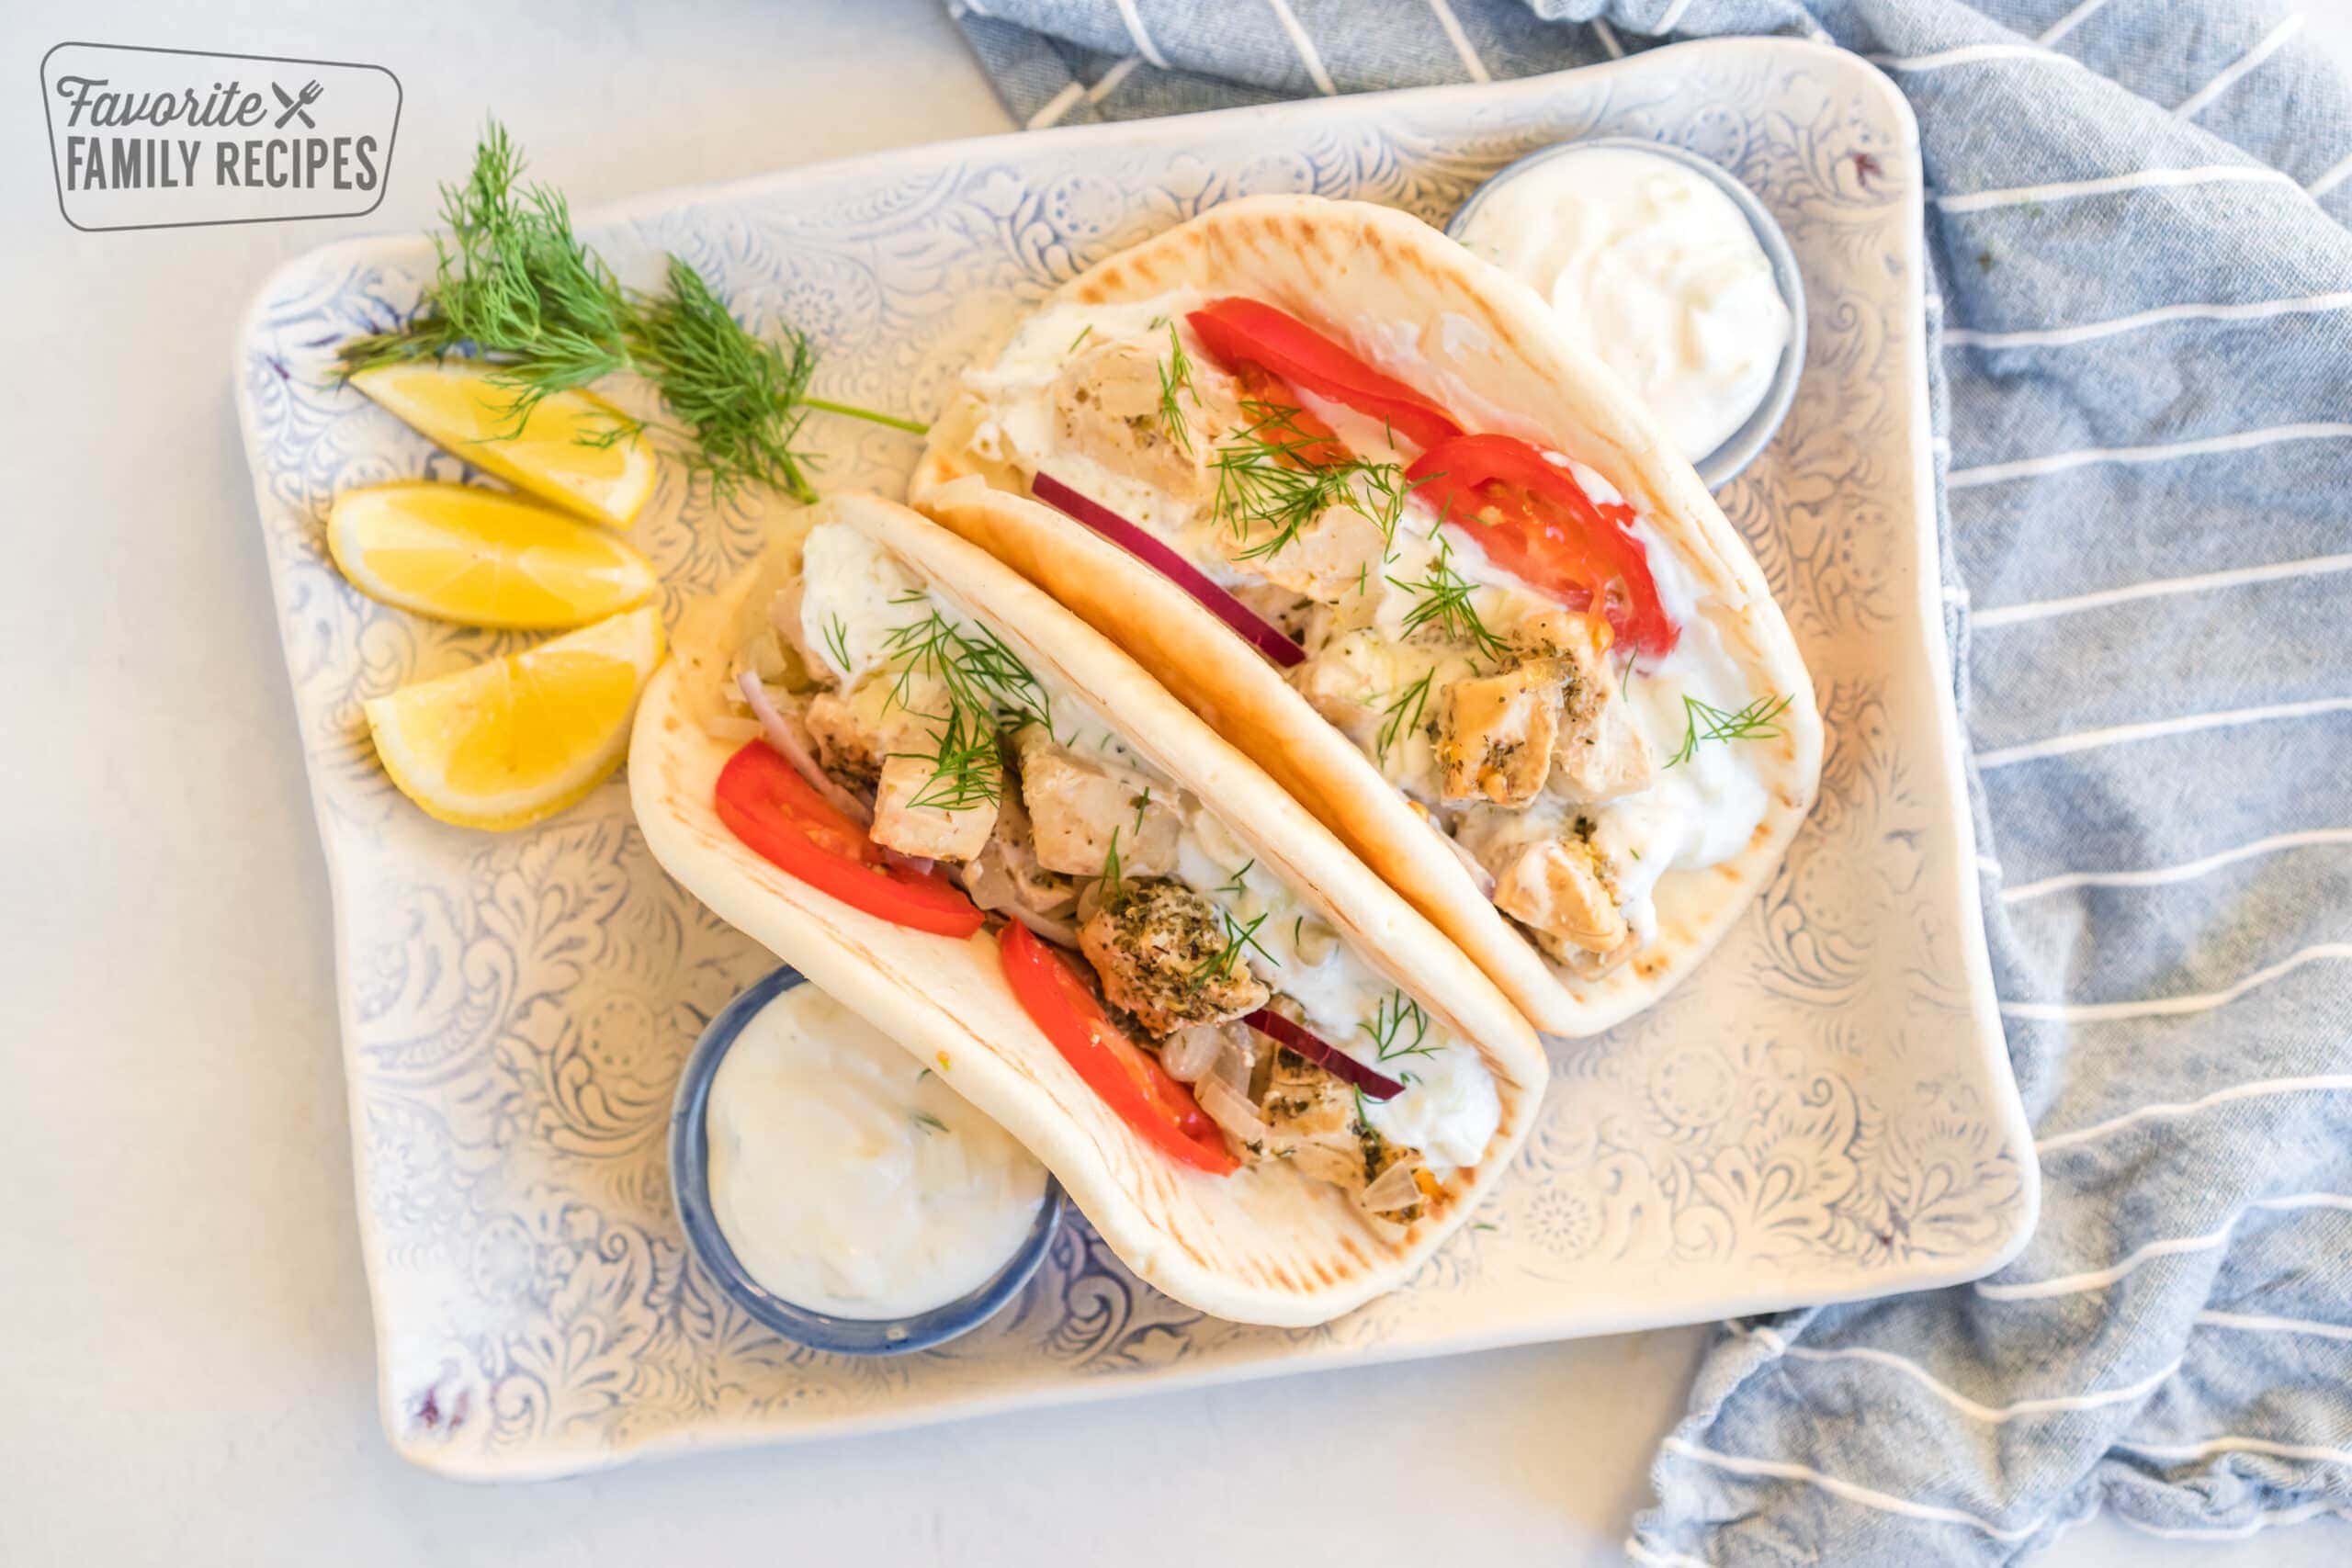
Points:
(916, 863)
(1260, 634)
(1330, 1058)
(795, 750)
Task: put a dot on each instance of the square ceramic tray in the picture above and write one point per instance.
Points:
(1824, 1112)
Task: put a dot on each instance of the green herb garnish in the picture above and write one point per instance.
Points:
(1707, 722)
(1175, 376)
(1269, 480)
(1443, 599)
(1219, 965)
(513, 285)
(837, 640)
(1084, 333)
(1234, 884)
(1403, 714)
(1142, 803)
(1399, 1028)
(986, 687)
(929, 1123)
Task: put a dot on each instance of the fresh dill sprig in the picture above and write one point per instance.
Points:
(1235, 884)
(1399, 1028)
(1272, 478)
(1403, 714)
(1084, 333)
(1443, 600)
(837, 640)
(929, 1123)
(1176, 376)
(1114, 877)
(986, 687)
(1142, 803)
(515, 285)
(1707, 722)
(1219, 965)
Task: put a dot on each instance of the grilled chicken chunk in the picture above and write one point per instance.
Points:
(1107, 406)
(1563, 888)
(1162, 954)
(856, 729)
(1335, 556)
(1496, 733)
(917, 812)
(1600, 754)
(1076, 805)
(1312, 1121)
(1005, 873)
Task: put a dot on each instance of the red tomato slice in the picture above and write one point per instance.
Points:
(1534, 520)
(773, 809)
(1128, 1078)
(1238, 331)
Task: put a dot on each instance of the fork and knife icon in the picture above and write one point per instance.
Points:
(297, 105)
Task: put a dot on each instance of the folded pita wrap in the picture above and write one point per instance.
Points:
(1262, 1244)
(1423, 311)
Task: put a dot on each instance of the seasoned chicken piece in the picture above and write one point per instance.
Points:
(1162, 954)
(1312, 1121)
(1107, 406)
(1005, 873)
(853, 729)
(1600, 754)
(1075, 805)
(918, 812)
(1338, 682)
(1330, 558)
(1563, 888)
(1495, 733)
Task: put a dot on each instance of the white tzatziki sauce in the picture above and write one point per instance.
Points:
(849, 1182)
(1657, 270)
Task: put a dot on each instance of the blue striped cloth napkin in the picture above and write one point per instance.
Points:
(2137, 228)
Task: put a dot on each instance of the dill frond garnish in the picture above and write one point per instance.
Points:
(1219, 965)
(1234, 884)
(837, 640)
(1443, 600)
(1115, 876)
(929, 1123)
(1176, 376)
(1272, 478)
(1142, 803)
(1708, 722)
(1403, 714)
(1399, 1028)
(1084, 333)
(988, 688)
(515, 285)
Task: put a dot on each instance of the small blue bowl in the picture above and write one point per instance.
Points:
(690, 1181)
(1723, 465)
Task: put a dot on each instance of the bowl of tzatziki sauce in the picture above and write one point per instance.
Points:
(1669, 270)
(837, 1189)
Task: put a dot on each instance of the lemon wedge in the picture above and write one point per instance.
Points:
(459, 405)
(481, 558)
(509, 742)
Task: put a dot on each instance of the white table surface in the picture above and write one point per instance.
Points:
(186, 1371)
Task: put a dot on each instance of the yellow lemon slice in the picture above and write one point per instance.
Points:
(481, 558)
(507, 743)
(556, 455)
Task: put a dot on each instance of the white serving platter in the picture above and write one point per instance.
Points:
(1824, 1112)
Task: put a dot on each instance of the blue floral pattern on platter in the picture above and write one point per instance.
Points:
(1823, 1111)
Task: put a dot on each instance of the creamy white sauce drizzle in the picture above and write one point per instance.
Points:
(1657, 270)
(847, 1180)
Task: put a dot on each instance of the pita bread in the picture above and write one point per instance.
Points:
(1387, 285)
(1261, 1246)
